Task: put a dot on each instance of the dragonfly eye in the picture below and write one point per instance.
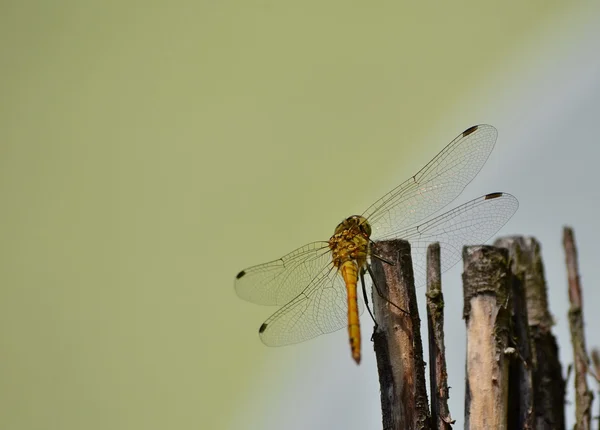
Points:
(365, 227)
(363, 224)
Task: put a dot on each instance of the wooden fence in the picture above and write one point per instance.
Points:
(514, 379)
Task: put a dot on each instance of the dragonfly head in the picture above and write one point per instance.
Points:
(353, 222)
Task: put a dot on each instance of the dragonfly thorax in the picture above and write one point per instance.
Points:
(350, 241)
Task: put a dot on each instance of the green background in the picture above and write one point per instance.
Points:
(151, 150)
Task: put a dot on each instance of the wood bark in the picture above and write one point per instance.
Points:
(583, 395)
(596, 363)
(438, 377)
(542, 361)
(487, 312)
(397, 338)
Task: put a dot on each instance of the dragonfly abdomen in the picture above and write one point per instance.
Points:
(349, 272)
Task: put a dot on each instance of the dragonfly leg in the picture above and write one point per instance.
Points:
(366, 297)
(364, 290)
(391, 263)
(379, 291)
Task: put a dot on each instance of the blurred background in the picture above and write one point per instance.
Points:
(149, 151)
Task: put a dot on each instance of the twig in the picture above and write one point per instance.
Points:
(593, 371)
(438, 377)
(596, 363)
(583, 395)
(548, 385)
(487, 312)
(397, 341)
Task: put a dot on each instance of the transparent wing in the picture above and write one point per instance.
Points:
(471, 223)
(279, 281)
(436, 184)
(321, 308)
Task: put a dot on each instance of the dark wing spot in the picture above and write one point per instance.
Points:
(493, 195)
(239, 275)
(262, 328)
(470, 130)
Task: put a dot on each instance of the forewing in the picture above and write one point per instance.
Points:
(321, 308)
(279, 281)
(435, 185)
(471, 223)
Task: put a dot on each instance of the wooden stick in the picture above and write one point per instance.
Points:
(520, 377)
(596, 363)
(583, 395)
(487, 312)
(438, 377)
(397, 339)
(543, 364)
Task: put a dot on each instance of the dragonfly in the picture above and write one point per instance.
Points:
(316, 285)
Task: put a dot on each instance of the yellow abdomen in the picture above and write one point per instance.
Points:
(349, 272)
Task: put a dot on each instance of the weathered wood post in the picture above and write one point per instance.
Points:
(487, 313)
(438, 377)
(397, 339)
(548, 385)
(583, 395)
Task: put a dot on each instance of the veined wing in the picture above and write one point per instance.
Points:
(436, 184)
(321, 308)
(279, 281)
(471, 223)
